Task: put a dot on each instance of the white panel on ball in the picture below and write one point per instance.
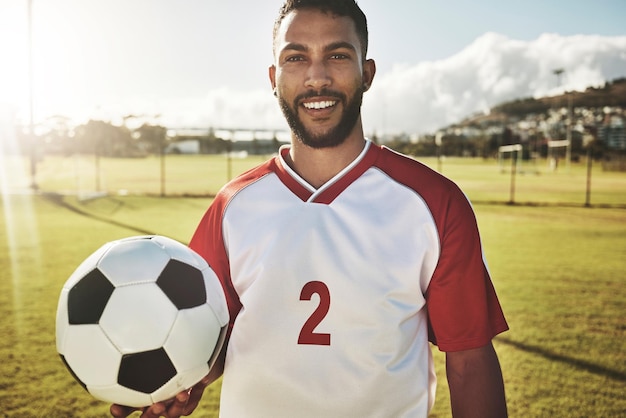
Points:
(133, 261)
(187, 343)
(92, 354)
(138, 318)
(121, 395)
(62, 320)
(215, 296)
(182, 381)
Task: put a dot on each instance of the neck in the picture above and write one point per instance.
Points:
(319, 165)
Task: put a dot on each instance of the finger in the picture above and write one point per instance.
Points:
(186, 402)
(154, 411)
(183, 403)
(196, 394)
(121, 411)
(178, 406)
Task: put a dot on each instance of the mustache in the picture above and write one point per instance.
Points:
(324, 92)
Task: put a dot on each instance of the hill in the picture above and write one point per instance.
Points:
(612, 94)
(593, 120)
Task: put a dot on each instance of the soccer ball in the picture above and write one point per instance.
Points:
(140, 320)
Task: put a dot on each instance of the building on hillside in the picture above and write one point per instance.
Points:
(220, 141)
(186, 146)
(612, 132)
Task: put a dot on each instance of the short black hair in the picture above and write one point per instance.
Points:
(348, 8)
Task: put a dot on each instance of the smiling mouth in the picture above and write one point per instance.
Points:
(320, 105)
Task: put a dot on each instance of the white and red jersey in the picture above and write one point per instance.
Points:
(335, 292)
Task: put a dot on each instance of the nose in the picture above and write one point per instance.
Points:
(318, 76)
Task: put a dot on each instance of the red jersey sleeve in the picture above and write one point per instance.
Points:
(463, 309)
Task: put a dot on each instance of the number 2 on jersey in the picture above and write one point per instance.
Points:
(308, 334)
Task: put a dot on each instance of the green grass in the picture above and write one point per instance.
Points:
(559, 272)
(560, 276)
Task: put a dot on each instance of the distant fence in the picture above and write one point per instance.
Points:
(484, 181)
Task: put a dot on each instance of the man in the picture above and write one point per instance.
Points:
(341, 259)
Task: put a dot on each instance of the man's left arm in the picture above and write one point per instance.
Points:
(476, 384)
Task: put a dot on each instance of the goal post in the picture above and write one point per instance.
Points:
(516, 159)
(506, 149)
(553, 157)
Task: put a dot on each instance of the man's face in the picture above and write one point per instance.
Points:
(319, 76)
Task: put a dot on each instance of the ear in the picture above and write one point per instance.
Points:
(272, 74)
(369, 71)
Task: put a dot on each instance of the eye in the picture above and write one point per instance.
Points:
(339, 56)
(294, 58)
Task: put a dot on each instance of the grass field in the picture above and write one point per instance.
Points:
(559, 270)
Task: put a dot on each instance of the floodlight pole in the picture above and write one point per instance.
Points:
(229, 156)
(31, 125)
(568, 150)
(589, 164)
(97, 173)
(163, 140)
(162, 158)
(439, 145)
(513, 172)
(558, 72)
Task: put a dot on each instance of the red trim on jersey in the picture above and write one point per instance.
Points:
(335, 189)
(292, 184)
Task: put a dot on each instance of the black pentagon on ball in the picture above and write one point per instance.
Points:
(183, 284)
(87, 299)
(146, 371)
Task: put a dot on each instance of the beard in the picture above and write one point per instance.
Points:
(333, 136)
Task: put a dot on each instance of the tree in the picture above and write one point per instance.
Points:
(104, 139)
(150, 139)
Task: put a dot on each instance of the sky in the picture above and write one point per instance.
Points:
(201, 63)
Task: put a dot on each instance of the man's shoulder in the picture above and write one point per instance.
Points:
(246, 178)
(411, 172)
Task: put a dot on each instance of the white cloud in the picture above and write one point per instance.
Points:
(491, 70)
(226, 108)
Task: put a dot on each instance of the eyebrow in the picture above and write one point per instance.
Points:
(292, 46)
(340, 45)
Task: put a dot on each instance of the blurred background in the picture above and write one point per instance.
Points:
(199, 67)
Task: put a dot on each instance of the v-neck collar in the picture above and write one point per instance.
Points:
(333, 187)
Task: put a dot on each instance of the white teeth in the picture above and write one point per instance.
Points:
(319, 105)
